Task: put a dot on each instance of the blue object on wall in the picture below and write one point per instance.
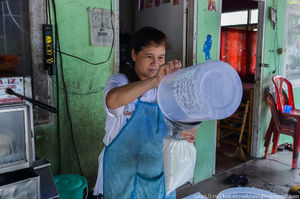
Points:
(207, 47)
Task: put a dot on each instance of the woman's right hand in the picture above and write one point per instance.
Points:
(169, 67)
(122, 95)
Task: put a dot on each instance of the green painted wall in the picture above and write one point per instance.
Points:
(274, 39)
(84, 84)
(208, 23)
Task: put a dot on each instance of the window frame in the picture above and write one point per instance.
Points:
(291, 10)
(42, 85)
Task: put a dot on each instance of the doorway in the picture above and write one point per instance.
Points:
(174, 18)
(238, 43)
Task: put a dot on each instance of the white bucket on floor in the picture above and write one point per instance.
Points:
(247, 192)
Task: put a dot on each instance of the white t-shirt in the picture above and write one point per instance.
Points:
(117, 118)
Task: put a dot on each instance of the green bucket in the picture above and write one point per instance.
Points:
(70, 186)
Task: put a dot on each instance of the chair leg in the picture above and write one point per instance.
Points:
(295, 154)
(268, 137)
(276, 137)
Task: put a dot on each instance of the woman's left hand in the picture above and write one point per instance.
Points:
(189, 135)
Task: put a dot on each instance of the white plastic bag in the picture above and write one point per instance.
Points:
(179, 162)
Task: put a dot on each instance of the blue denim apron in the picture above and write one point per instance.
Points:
(133, 164)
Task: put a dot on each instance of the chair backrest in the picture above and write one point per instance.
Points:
(272, 105)
(272, 91)
(279, 82)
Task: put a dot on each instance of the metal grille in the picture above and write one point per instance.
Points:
(14, 33)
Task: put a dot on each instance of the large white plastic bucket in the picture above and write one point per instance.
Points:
(208, 91)
(247, 192)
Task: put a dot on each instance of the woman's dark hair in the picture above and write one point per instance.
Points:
(144, 37)
(147, 36)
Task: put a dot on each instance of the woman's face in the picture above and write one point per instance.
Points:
(148, 60)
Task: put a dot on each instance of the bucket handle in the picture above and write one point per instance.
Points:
(87, 192)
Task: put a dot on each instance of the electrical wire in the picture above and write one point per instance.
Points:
(76, 57)
(79, 93)
(47, 12)
(87, 192)
(64, 85)
(17, 24)
(58, 50)
(276, 42)
(57, 95)
(111, 47)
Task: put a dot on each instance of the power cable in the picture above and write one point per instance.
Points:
(111, 47)
(276, 42)
(64, 85)
(58, 50)
(79, 93)
(57, 91)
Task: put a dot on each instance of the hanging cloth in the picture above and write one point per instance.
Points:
(133, 164)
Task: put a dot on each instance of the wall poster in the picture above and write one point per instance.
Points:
(212, 5)
(101, 31)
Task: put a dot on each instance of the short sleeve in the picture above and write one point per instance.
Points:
(114, 81)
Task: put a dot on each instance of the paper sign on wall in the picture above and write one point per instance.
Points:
(101, 31)
(212, 5)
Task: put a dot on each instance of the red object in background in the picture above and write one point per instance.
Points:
(281, 122)
(9, 63)
(238, 48)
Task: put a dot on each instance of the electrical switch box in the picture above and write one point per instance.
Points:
(48, 48)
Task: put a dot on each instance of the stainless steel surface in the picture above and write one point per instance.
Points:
(21, 184)
(16, 137)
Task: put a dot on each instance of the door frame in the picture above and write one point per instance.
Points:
(258, 77)
(116, 21)
(258, 87)
(191, 7)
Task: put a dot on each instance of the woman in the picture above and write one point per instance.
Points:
(131, 165)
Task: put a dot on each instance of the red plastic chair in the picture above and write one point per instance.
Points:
(282, 123)
(280, 82)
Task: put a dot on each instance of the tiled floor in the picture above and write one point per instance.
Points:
(272, 174)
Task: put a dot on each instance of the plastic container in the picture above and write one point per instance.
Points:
(247, 192)
(70, 186)
(208, 91)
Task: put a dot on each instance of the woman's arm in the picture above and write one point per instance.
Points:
(122, 95)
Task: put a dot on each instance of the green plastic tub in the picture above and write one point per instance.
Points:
(70, 186)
